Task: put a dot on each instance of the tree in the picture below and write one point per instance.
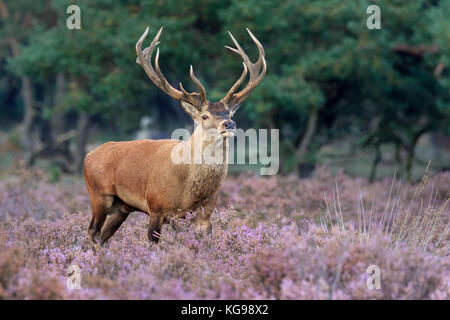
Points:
(329, 77)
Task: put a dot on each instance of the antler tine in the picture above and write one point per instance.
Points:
(171, 91)
(182, 88)
(239, 50)
(256, 74)
(238, 83)
(199, 85)
(144, 59)
(261, 56)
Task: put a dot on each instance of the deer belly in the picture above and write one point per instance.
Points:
(133, 200)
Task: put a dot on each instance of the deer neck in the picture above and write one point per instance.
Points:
(210, 162)
(208, 150)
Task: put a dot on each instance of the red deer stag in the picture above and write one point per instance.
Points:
(140, 175)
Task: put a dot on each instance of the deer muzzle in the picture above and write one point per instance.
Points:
(227, 128)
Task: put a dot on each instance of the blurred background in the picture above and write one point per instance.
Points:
(369, 102)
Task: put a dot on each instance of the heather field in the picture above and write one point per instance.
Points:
(273, 238)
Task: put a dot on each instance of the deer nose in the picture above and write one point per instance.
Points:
(229, 125)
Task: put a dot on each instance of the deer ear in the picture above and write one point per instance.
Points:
(233, 109)
(189, 108)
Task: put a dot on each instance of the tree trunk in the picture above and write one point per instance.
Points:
(411, 150)
(83, 126)
(376, 161)
(59, 124)
(30, 112)
(409, 161)
(29, 120)
(306, 139)
(398, 159)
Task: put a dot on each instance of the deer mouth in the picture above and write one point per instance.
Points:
(228, 132)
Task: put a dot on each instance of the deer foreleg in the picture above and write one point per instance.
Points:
(154, 228)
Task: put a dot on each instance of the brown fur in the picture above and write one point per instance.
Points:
(140, 175)
(122, 177)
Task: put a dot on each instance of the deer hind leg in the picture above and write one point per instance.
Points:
(100, 208)
(203, 225)
(117, 215)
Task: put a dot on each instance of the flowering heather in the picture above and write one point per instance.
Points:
(273, 238)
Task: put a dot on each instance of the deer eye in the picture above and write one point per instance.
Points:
(204, 117)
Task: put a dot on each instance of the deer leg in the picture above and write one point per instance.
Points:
(154, 228)
(207, 228)
(117, 215)
(112, 224)
(100, 208)
(203, 225)
(203, 219)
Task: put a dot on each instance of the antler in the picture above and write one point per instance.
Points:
(234, 99)
(144, 59)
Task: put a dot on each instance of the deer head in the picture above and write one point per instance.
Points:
(214, 116)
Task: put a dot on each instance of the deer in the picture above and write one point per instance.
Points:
(140, 175)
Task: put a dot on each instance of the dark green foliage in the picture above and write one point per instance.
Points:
(321, 59)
